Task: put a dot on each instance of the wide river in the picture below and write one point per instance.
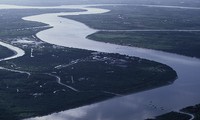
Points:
(70, 33)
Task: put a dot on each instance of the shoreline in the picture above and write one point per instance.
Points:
(17, 51)
(166, 58)
(170, 59)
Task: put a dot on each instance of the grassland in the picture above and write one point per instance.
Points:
(147, 18)
(5, 52)
(13, 26)
(95, 76)
(194, 110)
(184, 43)
(172, 116)
(137, 17)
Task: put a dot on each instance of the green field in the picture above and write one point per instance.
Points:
(172, 116)
(13, 26)
(96, 76)
(142, 18)
(194, 110)
(184, 43)
(5, 52)
(126, 17)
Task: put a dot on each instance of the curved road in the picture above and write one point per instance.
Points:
(185, 113)
(58, 80)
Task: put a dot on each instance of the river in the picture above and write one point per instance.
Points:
(70, 33)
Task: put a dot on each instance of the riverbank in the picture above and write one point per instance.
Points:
(55, 70)
(6, 52)
(186, 67)
(188, 113)
(96, 76)
(164, 28)
(184, 43)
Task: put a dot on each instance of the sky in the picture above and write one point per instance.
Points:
(61, 2)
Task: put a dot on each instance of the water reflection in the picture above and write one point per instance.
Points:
(115, 110)
(184, 92)
(139, 106)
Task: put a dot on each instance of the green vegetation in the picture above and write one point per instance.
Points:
(96, 76)
(172, 116)
(194, 110)
(185, 43)
(13, 26)
(6, 52)
(141, 18)
(126, 17)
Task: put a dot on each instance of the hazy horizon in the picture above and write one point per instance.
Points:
(62, 2)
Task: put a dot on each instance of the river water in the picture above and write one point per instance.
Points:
(69, 33)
